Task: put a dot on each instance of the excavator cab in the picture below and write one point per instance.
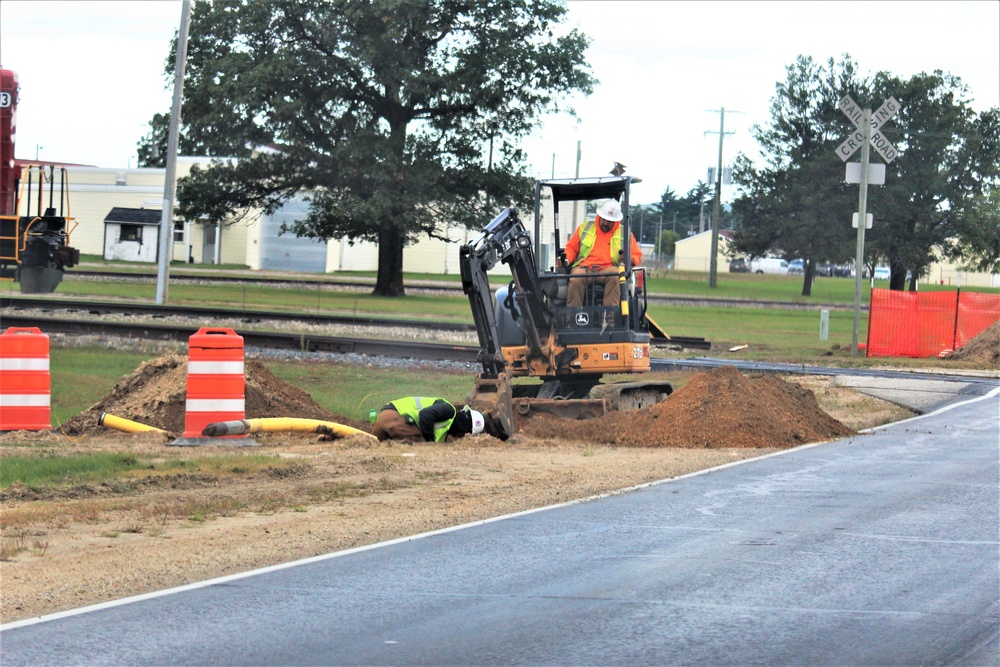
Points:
(526, 329)
(560, 207)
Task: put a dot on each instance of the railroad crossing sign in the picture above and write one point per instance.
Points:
(877, 139)
(867, 134)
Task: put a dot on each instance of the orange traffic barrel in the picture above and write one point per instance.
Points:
(215, 381)
(25, 383)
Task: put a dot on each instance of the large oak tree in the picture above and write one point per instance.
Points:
(394, 115)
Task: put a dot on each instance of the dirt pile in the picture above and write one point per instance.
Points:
(984, 349)
(719, 408)
(156, 394)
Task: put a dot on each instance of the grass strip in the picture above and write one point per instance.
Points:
(96, 468)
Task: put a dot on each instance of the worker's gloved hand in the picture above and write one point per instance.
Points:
(562, 258)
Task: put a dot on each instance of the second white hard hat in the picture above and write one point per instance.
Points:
(478, 421)
(610, 210)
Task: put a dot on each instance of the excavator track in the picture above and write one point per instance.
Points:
(599, 401)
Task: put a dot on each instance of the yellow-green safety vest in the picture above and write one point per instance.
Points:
(587, 238)
(411, 407)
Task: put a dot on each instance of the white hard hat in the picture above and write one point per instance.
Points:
(610, 210)
(478, 421)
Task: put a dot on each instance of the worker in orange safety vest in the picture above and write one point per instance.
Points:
(595, 251)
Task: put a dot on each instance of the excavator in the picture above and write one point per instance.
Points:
(526, 330)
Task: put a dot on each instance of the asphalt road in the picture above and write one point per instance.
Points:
(880, 549)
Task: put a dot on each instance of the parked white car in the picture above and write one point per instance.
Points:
(881, 273)
(769, 265)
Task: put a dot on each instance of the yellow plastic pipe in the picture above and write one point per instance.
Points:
(127, 425)
(280, 424)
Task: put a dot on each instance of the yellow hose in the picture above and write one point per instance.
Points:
(280, 424)
(127, 425)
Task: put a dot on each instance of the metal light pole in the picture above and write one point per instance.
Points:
(170, 179)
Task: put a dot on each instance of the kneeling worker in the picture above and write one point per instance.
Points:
(425, 418)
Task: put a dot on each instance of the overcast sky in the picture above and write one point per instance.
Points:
(91, 74)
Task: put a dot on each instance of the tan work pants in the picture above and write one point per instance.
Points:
(578, 286)
(390, 425)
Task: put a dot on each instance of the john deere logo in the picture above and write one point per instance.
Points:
(582, 319)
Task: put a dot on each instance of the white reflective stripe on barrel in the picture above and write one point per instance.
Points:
(215, 405)
(215, 367)
(24, 364)
(24, 400)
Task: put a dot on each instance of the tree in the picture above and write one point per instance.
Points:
(668, 243)
(152, 148)
(694, 206)
(796, 205)
(978, 244)
(394, 116)
(645, 221)
(937, 189)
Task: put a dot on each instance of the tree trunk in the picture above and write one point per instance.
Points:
(808, 273)
(390, 262)
(391, 238)
(897, 276)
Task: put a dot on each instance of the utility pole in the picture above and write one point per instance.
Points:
(659, 235)
(713, 259)
(170, 180)
(576, 221)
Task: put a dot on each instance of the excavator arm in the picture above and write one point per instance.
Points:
(504, 240)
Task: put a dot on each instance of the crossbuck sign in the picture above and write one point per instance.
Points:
(877, 139)
(867, 132)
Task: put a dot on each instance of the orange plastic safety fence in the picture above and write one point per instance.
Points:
(923, 324)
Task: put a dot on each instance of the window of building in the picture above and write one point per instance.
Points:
(178, 231)
(131, 233)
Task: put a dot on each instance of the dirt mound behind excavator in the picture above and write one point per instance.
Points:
(719, 408)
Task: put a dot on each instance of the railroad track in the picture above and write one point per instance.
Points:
(302, 342)
(431, 352)
(436, 287)
(100, 308)
(255, 316)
